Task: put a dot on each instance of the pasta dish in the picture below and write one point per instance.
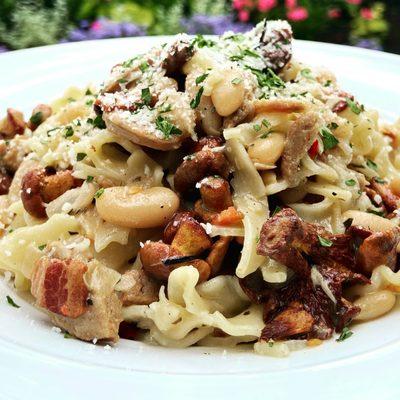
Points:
(211, 192)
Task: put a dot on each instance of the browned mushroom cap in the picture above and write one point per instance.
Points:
(13, 124)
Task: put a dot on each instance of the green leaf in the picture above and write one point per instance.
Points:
(11, 302)
(97, 122)
(355, 107)
(346, 333)
(236, 81)
(277, 209)
(36, 118)
(69, 131)
(68, 336)
(372, 165)
(144, 66)
(99, 193)
(257, 127)
(146, 96)
(89, 178)
(307, 73)
(324, 242)
(200, 41)
(80, 156)
(88, 92)
(267, 78)
(328, 139)
(41, 247)
(201, 78)
(350, 182)
(166, 127)
(196, 101)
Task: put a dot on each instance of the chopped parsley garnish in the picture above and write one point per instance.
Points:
(236, 81)
(307, 73)
(196, 101)
(97, 122)
(277, 209)
(88, 92)
(41, 247)
(324, 242)
(89, 103)
(68, 336)
(346, 333)
(128, 63)
(202, 42)
(379, 213)
(144, 66)
(356, 108)
(146, 96)
(36, 118)
(372, 165)
(348, 223)
(122, 80)
(165, 108)
(328, 139)
(328, 83)
(244, 53)
(11, 302)
(257, 127)
(379, 180)
(350, 182)
(80, 156)
(89, 178)
(267, 78)
(99, 193)
(270, 343)
(333, 125)
(166, 127)
(69, 131)
(201, 78)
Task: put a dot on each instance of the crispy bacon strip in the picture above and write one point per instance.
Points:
(59, 287)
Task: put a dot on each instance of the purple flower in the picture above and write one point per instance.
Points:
(3, 49)
(103, 29)
(212, 24)
(372, 44)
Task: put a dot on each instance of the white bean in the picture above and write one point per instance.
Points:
(137, 208)
(267, 151)
(228, 94)
(372, 222)
(375, 304)
(211, 122)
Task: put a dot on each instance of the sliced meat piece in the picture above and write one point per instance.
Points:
(178, 53)
(292, 321)
(137, 288)
(104, 311)
(301, 135)
(59, 287)
(198, 166)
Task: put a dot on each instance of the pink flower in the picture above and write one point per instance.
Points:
(291, 3)
(356, 2)
(239, 4)
(334, 13)
(266, 5)
(367, 13)
(96, 25)
(243, 15)
(297, 14)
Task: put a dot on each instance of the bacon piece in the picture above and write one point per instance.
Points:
(59, 287)
(228, 217)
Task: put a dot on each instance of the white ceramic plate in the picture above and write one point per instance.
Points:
(38, 363)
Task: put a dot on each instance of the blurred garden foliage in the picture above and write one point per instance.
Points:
(25, 23)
